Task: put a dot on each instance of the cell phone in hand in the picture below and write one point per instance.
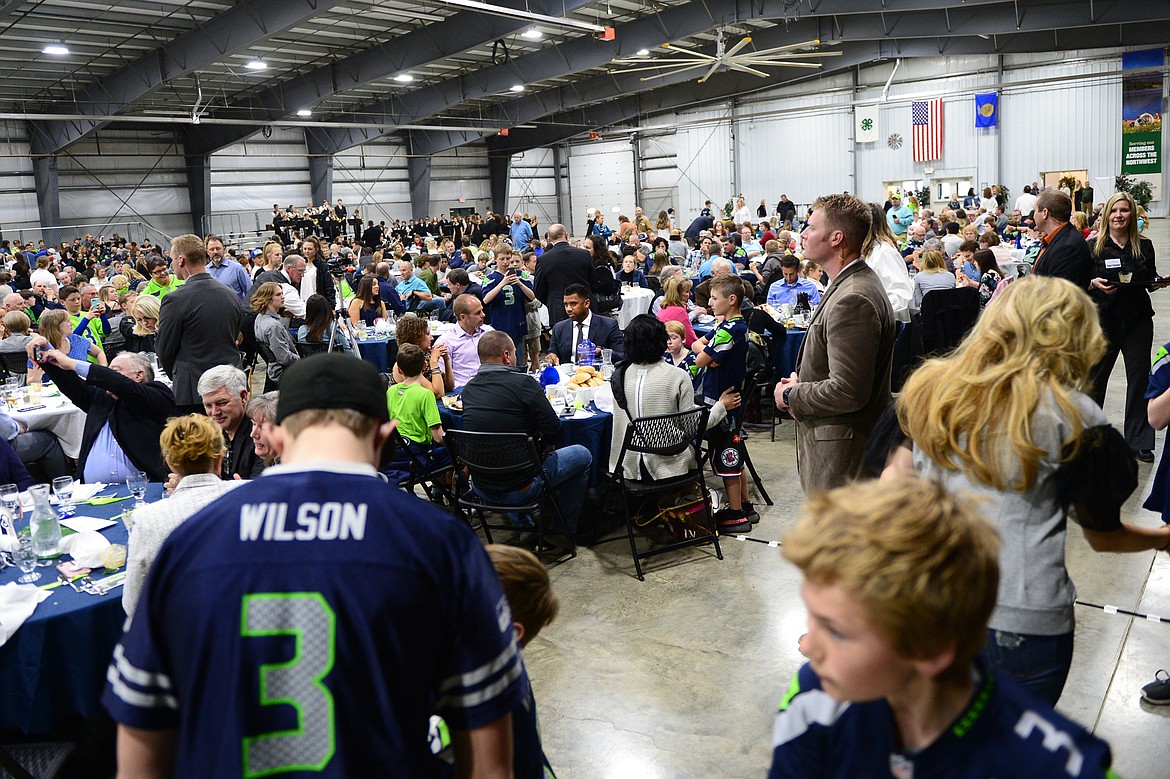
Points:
(38, 354)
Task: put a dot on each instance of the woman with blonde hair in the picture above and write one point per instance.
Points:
(273, 258)
(272, 333)
(881, 253)
(662, 224)
(1123, 269)
(675, 296)
(58, 330)
(933, 275)
(1005, 418)
(144, 316)
(193, 448)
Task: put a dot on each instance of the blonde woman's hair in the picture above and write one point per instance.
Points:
(1134, 247)
(932, 262)
(119, 282)
(147, 307)
(262, 296)
(191, 444)
(879, 231)
(50, 328)
(1080, 220)
(673, 291)
(922, 562)
(972, 411)
(269, 247)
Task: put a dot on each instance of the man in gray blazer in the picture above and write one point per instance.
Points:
(842, 383)
(197, 329)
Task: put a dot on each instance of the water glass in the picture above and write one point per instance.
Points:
(137, 486)
(26, 560)
(10, 497)
(63, 489)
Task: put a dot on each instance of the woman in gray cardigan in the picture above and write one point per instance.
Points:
(654, 387)
(272, 333)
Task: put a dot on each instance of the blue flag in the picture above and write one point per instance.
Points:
(986, 109)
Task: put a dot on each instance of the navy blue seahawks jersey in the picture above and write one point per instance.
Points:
(312, 621)
(1005, 732)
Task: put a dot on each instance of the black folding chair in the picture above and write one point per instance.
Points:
(421, 474)
(503, 458)
(14, 363)
(309, 349)
(947, 316)
(665, 435)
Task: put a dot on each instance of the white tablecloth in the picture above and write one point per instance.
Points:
(61, 418)
(635, 300)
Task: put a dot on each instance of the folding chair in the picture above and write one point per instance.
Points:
(667, 435)
(309, 349)
(502, 458)
(14, 363)
(421, 474)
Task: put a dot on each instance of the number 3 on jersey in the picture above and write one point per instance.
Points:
(297, 683)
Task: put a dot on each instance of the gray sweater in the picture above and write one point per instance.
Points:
(1035, 592)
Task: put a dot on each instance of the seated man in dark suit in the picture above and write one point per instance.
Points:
(125, 408)
(583, 324)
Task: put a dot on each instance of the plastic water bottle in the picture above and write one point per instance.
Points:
(586, 353)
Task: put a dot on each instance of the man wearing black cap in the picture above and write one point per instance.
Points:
(317, 617)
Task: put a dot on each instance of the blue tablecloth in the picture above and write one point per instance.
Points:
(593, 433)
(783, 353)
(54, 668)
(374, 351)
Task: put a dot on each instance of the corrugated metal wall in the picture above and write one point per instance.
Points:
(458, 173)
(18, 198)
(248, 177)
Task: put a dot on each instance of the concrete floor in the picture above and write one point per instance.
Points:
(679, 676)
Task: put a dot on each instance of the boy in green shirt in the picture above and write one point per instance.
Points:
(413, 406)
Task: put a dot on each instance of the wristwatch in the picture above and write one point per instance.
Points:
(784, 395)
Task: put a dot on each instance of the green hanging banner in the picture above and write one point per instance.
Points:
(1141, 113)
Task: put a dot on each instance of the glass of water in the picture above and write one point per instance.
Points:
(137, 486)
(63, 489)
(26, 560)
(10, 497)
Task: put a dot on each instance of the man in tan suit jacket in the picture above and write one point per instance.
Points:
(842, 383)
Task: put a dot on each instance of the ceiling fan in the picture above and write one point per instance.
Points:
(684, 58)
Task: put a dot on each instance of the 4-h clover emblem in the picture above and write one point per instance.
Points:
(867, 124)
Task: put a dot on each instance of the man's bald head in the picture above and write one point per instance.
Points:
(721, 267)
(14, 302)
(557, 232)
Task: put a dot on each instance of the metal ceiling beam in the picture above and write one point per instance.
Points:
(684, 21)
(234, 30)
(600, 90)
(455, 35)
(592, 115)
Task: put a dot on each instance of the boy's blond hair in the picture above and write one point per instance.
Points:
(526, 586)
(923, 562)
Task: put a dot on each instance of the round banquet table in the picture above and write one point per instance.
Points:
(593, 432)
(54, 667)
(635, 300)
(59, 416)
(783, 354)
(375, 350)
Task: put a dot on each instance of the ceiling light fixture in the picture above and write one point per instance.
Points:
(685, 58)
(532, 34)
(256, 65)
(404, 78)
(56, 49)
(643, 52)
(523, 14)
(304, 112)
(517, 87)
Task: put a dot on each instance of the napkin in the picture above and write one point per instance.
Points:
(83, 492)
(78, 524)
(17, 603)
(582, 414)
(8, 543)
(85, 547)
(603, 398)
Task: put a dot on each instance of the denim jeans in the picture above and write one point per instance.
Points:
(567, 469)
(1040, 663)
(435, 304)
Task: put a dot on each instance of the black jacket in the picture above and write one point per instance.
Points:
(1067, 257)
(1131, 301)
(241, 454)
(502, 399)
(556, 269)
(136, 416)
(198, 325)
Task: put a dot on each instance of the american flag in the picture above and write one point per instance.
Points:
(928, 129)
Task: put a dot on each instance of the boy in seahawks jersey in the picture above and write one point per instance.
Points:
(899, 580)
(315, 621)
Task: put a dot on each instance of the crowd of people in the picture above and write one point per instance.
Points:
(153, 344)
